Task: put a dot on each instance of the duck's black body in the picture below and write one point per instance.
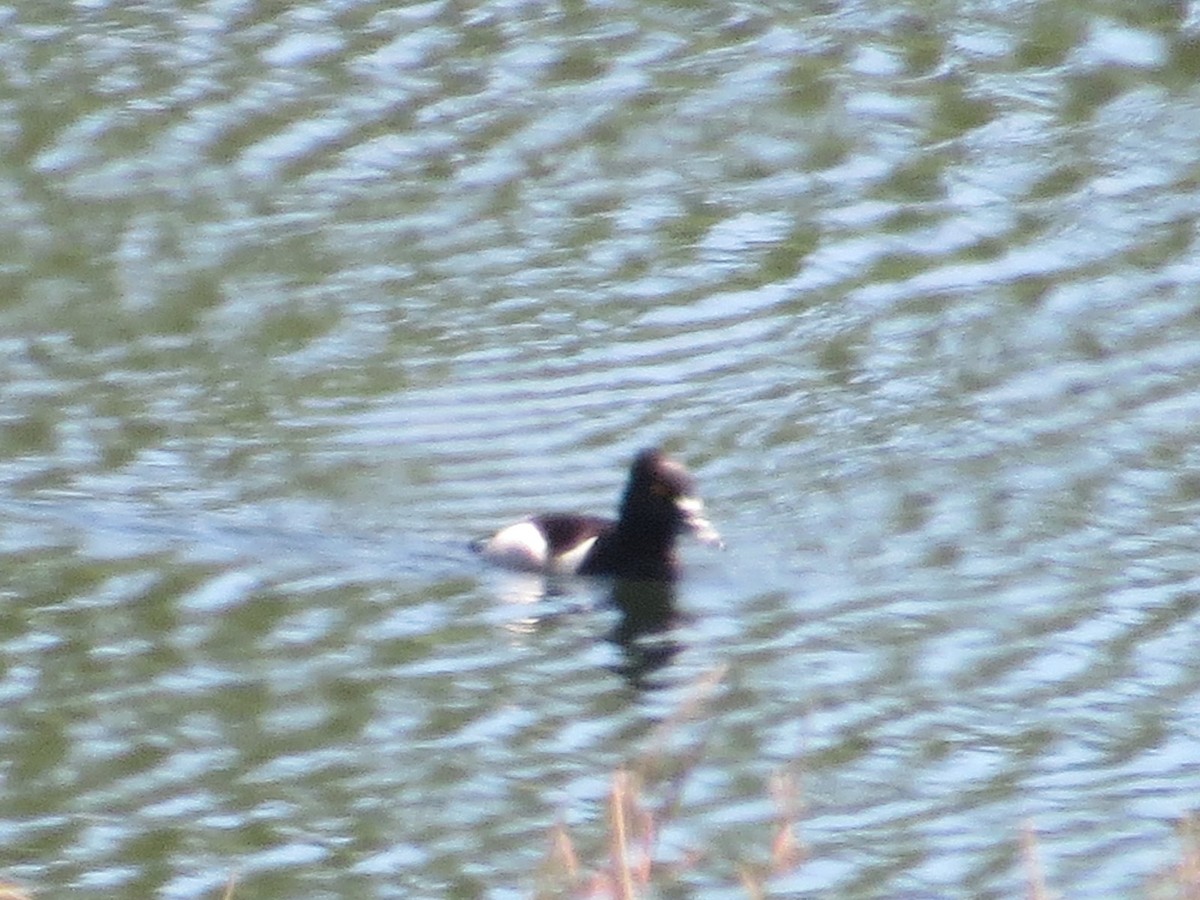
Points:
(658, 504)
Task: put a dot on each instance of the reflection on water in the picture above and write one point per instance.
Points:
(647, 611)
(296, 300)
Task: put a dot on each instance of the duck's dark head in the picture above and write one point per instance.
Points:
(660, 497)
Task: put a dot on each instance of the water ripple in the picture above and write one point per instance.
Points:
(298, 300)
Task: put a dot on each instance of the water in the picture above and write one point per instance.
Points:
(296, 301)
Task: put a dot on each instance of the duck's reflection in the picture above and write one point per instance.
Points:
(644, 632)
(645, 628)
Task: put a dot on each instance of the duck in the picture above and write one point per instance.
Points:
(659, 503)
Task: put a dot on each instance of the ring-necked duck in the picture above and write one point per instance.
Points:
(659, 502)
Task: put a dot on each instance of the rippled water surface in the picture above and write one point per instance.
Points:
(298, 298)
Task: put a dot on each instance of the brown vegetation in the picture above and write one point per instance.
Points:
(634, 824)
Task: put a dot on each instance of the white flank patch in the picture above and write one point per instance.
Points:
(520, 546)
(567, 563)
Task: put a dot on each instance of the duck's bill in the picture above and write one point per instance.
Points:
(697, 523)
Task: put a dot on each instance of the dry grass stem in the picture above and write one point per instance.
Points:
(1187, 873)
(1033, 865)
(787, 851)
(619, 801)
(564, 851)
(752, 883)
(634, 828)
